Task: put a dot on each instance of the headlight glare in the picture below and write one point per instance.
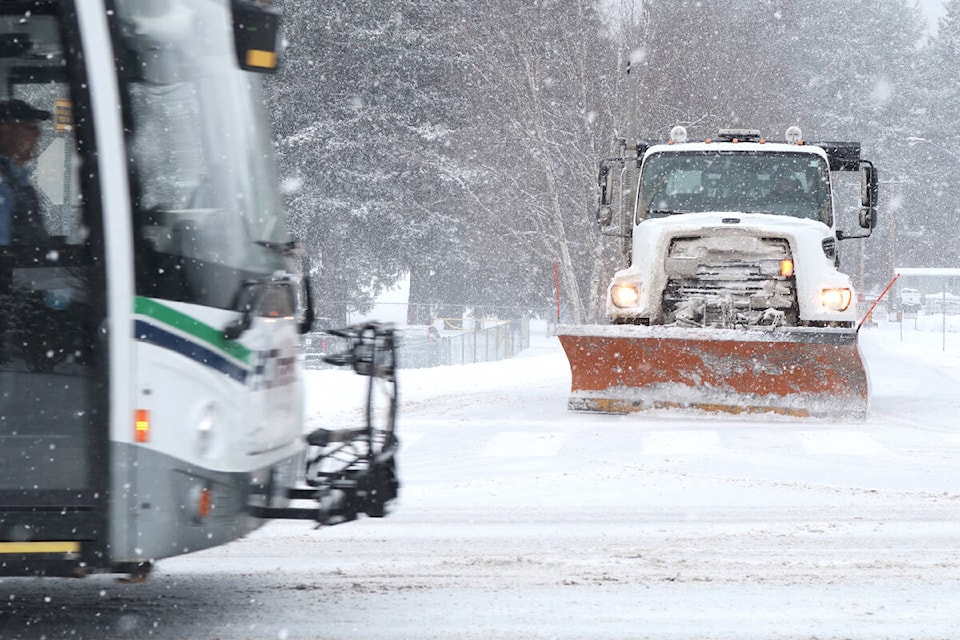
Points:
(625, 294)
(836, 299)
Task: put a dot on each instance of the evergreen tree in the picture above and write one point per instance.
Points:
(458, 141)
(360, 117)
(926, 229)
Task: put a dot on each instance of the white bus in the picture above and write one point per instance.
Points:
(150, 381)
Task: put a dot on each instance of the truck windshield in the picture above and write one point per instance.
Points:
(790, 184)
(206, 206)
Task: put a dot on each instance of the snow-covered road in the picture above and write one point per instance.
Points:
(520, 519)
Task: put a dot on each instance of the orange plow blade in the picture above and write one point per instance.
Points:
(789, 371)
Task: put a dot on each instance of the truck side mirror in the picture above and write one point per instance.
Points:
(605, 182)
(604, 215)
(869, 190)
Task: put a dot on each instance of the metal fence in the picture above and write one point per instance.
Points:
(497, 341)
(423, 346)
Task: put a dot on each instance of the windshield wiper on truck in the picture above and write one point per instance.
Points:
(660, 213)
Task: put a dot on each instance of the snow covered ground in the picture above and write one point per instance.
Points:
(520, 519)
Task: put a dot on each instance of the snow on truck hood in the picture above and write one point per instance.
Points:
(649, 234)
(814, 271)
(652, 237)
(734, 220)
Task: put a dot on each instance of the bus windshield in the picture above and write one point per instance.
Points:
(790, 184)
(208, 214)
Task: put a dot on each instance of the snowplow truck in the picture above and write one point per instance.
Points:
(731, 299)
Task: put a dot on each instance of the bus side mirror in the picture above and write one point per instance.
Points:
(604, 215)
(256, 27)
(605, 182)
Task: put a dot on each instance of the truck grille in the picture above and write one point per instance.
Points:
(728, 280)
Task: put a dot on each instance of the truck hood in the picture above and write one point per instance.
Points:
(814, 271)
(651, 237)
(764, 222)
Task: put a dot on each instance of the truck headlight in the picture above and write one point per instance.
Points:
(836, 299)
(625, 294)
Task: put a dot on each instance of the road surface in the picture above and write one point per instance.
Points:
(520, 520)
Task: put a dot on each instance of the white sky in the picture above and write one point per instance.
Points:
(932, 9)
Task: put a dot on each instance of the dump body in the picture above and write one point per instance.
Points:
(731, 299)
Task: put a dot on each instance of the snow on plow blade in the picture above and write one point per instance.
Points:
(788, 371)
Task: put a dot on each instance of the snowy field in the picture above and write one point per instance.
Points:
(519, 519)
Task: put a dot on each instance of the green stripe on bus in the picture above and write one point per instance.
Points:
(192, 326)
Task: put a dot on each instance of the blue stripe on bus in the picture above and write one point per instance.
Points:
(152, 334)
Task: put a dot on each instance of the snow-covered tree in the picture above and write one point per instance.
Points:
(540, 79)
(360, 114)
(929, 169)
(458, 141)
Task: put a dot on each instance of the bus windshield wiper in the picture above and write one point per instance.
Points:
(286, 248)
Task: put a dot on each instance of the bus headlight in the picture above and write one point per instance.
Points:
(625, 294)
(836, 299)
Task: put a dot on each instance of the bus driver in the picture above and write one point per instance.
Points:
(21, 221)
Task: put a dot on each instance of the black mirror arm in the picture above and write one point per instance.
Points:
(842, 235)
(306, 325)
(239, 326)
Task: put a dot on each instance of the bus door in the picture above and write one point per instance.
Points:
(53, 391)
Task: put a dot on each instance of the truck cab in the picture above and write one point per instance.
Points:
(730, 300)
(736, 232)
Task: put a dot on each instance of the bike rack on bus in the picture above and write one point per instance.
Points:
(352, 471)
